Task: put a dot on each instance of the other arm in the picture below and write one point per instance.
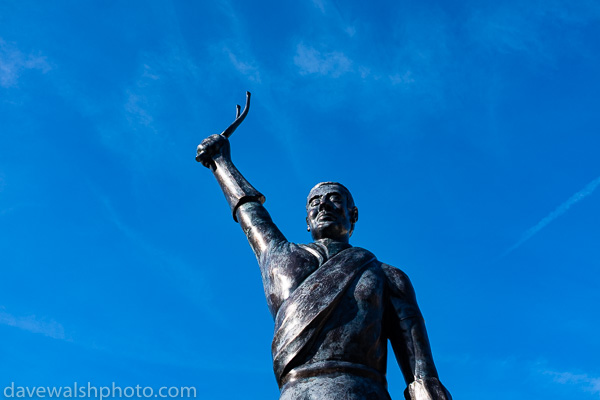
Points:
(408, 336)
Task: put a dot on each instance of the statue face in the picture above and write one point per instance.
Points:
(328, 215)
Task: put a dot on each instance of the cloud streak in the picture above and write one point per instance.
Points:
(311, 61)
(32, 324)
(320, 5)
(501, 28)
(13, 62)
(248, 69)
(583, 381)
(563, 208)
(537, 372)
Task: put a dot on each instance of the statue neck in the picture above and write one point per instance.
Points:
(332, 247)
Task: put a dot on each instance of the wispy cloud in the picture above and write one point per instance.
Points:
(238, 51)
(247, 68)
(501, 28)
(136, 126)
(140, 97)
(402, 79)
(583, 381)
(334, 17)
(538, 373)
(320, 5)
(136, 108)
(312, 61)
(13, 62)
(33, 324)
(415, 56)
(563, 208)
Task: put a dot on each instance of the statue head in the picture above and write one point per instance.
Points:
(331, 212)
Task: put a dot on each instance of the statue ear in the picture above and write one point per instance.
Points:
(354, 215)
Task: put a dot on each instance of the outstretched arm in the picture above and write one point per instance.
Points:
(279, 260)
(408, 336)
(243, 199)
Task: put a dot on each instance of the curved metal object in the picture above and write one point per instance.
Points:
(238, 117)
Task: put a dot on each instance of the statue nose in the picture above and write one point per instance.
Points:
(325, 204)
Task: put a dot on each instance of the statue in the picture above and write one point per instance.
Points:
(335, 306)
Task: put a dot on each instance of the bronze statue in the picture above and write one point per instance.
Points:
(334, 305)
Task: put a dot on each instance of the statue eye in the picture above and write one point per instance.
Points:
(336, 198)
(314, 202)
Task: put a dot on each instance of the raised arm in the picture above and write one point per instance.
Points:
(243, 199)
(408, 336)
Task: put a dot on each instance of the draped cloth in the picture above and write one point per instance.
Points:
(303, 315)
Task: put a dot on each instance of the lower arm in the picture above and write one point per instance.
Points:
(236, 188)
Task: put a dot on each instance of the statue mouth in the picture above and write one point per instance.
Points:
(326, 217)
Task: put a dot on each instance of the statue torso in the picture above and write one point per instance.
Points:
(353, 332)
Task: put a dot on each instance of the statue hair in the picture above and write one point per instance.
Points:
(349, 198)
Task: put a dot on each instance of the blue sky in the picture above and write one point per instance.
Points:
(468, 133)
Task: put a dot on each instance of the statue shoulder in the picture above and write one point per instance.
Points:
(397, 281)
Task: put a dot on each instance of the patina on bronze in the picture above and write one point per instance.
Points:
(335, 306)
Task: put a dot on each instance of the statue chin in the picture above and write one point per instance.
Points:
(333, 230)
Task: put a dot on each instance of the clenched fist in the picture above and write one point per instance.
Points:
(212, 147)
